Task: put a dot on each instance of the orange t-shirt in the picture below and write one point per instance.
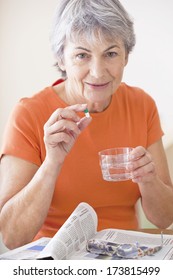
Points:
(130, 120)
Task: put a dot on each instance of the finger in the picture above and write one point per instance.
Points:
(144, 170)
(60, 114)
(68, 112)
(141, 179)
(84, 122)
(139, 162)
(55, 139)
(77, 107)
(144, 174)
(63, 125)
(137, 153)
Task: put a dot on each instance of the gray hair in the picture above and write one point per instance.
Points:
(76, 18)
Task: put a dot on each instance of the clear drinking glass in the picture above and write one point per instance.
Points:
(114, 163)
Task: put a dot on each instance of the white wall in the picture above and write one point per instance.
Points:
(26, 61)
(150, 65)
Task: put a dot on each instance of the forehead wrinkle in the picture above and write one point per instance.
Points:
(82, 48)
(85, 44)
(92, 36)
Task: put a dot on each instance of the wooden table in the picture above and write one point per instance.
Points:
(156, 230)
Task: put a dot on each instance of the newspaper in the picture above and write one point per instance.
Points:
(78, 239)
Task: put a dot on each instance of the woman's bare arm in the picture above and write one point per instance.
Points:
(25, 195)
(26, 190)
(152, 175)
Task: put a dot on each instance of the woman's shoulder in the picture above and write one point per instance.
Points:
(38, 107)
(134, 96)
(45, 97)
(46, 100)
(133, 92)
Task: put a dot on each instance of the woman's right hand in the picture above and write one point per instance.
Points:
(62, 130)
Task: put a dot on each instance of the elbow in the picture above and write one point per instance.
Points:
(168, 222)
(12, 235)
(11, 238)
(7, 236)
(162, 223)
(9, 241)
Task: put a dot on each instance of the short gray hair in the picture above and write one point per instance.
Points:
(75, 18)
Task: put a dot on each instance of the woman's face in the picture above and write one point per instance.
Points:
(94, 71)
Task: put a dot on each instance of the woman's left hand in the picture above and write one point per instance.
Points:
(142, 166)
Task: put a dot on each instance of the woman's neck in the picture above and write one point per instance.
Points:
(70, 99)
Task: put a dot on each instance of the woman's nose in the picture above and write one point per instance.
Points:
(97, 68)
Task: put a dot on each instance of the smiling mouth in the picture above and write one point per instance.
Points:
(98, 85)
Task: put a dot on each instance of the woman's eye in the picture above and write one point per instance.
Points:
(111, 54)
(82, 55)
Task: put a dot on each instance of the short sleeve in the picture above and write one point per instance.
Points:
(155, 131)
(21, 138)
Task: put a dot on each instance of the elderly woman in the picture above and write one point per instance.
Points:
(49, 158)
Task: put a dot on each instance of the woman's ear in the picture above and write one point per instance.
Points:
(126, 59)
(61, 64)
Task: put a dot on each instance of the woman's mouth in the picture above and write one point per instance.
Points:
(97, 86)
